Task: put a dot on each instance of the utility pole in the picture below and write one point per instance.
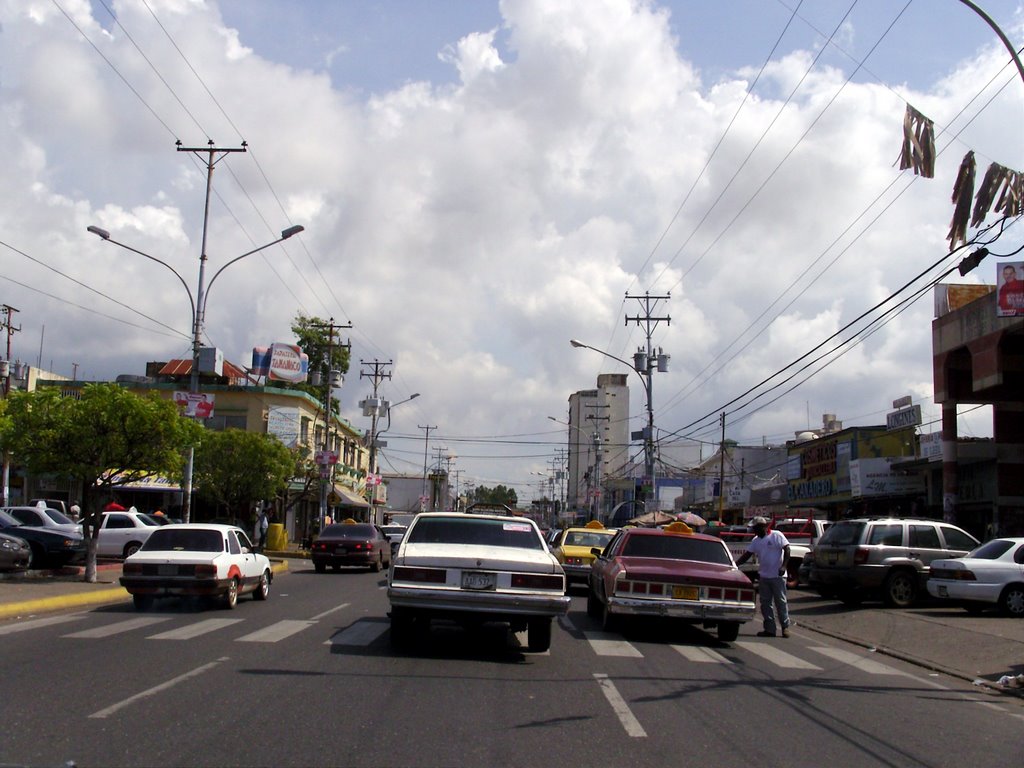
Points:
(646, 362)
(721, 470)
(372, 407)
(424, 499)
(332, 378)
(8, 372)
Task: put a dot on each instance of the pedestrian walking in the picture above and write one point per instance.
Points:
(262, 525)
(76, 512)
(772, 550)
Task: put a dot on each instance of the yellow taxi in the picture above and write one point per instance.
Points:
(573, 548)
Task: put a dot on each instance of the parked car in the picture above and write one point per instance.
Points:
(122, 534)
(45, 517)
(360, 544)
(59, 504)
(991, 576)
(51, 548)
(15, 553)
(574, 549)
(670, 572)
(475, 568)
(206, 560)
(857, 558)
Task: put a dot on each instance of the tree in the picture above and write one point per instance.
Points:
(499, 494)
(106, 438)
(235, 469)
(326, 352)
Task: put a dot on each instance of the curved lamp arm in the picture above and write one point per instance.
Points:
(285, 234)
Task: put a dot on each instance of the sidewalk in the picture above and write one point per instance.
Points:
(978, 649)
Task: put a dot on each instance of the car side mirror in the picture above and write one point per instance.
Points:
(596, 551)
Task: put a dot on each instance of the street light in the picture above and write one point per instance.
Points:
(198, 307)
(376, 442)
(644, 364)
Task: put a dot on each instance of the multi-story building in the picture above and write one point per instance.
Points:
(599, 448)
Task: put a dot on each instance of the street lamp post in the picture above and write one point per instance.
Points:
(595, 502)
(644, 364)
(198, 308)
(376, 442)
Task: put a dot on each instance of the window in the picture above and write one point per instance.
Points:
(493, 533)
(957, 539)
(28, 516)
(233, 546)
(993, 550)
(843, 534)
(677, 548)
(119, 521)
(184, 540)
(889, 535)
(924, 537)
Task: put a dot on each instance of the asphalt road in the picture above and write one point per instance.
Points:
(309, 679)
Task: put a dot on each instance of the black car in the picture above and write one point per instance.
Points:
(361, 544)
(15, 553)
(50, 549)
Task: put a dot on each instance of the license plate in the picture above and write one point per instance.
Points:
(167, 570)
(833, 558)
(685, 593)
(477, 580)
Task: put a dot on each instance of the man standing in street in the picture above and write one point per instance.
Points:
(772, 550)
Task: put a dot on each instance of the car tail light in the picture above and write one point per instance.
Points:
(656, 589)
(423, 575)
(537, 581)
(636, 587)
(360, 545)
(206, 571)
(747, 595)
(715, 593)
(955, 575)
(860, 556)
(132, 569)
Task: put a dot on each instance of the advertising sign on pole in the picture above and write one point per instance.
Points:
(195, 405)
(1010, 279)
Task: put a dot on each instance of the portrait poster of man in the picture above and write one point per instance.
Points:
(1010, 300)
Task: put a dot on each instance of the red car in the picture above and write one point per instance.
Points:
(351, 543)
(670, 572)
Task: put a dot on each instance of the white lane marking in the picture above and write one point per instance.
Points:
(620, 707)
(128, 625)
(319, 616)
(606, 644)
(195, 630)
(276, 632)
(8, 629)
(855, 660)
(523, 638)
(156, 689)
(362, 633)
(696, 653)
(771, 653)
(997, 708)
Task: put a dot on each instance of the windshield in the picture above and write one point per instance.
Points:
(842, 534)
(8, 520)
(677, 548)
(992, 550)
(461, 530)
(184, 540)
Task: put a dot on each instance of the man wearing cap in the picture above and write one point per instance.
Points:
(772, 550)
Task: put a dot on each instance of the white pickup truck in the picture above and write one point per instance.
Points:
(801, 532)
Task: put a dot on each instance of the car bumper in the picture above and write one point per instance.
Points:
(157, 587)
(493, 604)
(351, 558)
(681, 609)
(965, 591)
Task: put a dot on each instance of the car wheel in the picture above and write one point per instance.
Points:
(900, 589)
(142, 602)
(319, 566)
(538, 635)
(593, 605)
(728, 631)
(231, 596)
(378, 563)
(1012, 600)
(35, 557)
(262, 591)
(609, 621)
(130, 549)
(401, 628)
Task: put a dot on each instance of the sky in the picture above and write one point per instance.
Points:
(481, 181)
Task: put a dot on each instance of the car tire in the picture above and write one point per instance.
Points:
(728, 631)
(538, 635)
(130, 549)
(609, 621)
(35, 557)
(593, 605)
(900, 589)
(262, 591)
(320, 567)
(1011, 602)
(142, 602)
(378, 563)
(231, 596)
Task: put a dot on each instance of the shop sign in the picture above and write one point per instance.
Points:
(907, 417)
(931, 446)
(283, 423)
(819, 460)
(875, 477)
(280, 362)
(819, 488)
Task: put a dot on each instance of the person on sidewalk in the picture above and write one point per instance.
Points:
(263, 524)
(772, 550)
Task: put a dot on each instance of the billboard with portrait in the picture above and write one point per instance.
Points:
(1010, 282)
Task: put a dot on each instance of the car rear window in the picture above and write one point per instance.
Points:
(677, 548)
(843, 534)
(992, 550)
(164, 540)
(491, 533)
(586, 539)
(350, 531)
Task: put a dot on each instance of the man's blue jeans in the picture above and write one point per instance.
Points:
(773, 598)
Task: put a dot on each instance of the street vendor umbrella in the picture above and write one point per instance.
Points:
(113, 507)
(691, 518)
(652, 519)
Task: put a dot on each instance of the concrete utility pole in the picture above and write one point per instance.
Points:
(8, 372)
(332, 378)
(372, 407)
(424, 499)
(646, 362)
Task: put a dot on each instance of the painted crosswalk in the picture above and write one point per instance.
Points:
(199, 628)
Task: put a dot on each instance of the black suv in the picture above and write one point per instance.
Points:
(855, 558)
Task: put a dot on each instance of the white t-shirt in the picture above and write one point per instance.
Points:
(769, 550)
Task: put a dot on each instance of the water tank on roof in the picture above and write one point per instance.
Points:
(804, 437)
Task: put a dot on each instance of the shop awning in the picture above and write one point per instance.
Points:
(343, 497)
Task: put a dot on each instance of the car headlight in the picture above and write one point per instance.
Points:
(8, 544)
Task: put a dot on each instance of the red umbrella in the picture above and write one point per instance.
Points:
(113, 507)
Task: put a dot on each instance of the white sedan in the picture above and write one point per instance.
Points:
(122, 534)
(475, 568)
(206, 560)
(990, 576)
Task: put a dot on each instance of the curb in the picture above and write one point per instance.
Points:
(110, 596)
(986, 685)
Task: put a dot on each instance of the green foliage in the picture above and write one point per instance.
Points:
(313, 336)
(235, 468)
(499, 494)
